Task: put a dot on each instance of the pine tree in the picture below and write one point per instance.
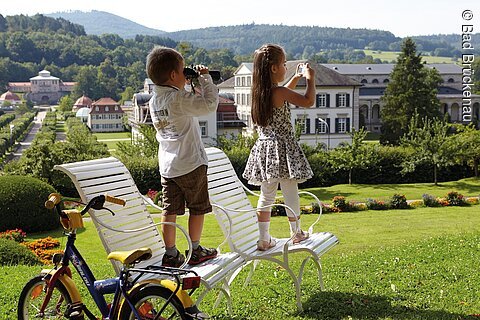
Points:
(411, 90)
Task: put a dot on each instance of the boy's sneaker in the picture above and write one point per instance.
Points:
(201, 254)
(173, 262)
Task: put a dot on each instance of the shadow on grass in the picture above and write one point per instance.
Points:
(342, 305)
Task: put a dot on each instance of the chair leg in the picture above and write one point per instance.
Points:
(253, 266)
(296, 283)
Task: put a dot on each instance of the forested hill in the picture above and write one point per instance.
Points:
(299, 41)
(243, 39)
(100, 22)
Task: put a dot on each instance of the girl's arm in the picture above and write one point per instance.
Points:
(282, 94)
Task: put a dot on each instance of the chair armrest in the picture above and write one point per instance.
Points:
(231, 226)
(150, 202)
(320, 210)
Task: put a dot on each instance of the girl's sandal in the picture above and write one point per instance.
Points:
(264, 245)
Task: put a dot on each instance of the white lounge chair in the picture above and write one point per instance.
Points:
(109, 175)
(238, 220)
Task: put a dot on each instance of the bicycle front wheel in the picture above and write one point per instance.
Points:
(150, 301)
(32, 296)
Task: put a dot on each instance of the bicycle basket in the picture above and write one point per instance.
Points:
(74, 220)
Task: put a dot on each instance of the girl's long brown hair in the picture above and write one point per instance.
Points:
(264, 57)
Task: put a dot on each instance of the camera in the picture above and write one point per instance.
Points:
(301, 68)
(190, 73)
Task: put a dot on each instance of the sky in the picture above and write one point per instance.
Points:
(401, 17)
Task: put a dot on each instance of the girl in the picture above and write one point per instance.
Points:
(277, 158)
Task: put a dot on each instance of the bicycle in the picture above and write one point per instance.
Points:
(54, 295)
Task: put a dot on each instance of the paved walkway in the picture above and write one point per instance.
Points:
(27, 142)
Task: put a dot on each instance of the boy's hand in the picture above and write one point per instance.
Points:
(201, 69)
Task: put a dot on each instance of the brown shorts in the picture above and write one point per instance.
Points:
(189, 190)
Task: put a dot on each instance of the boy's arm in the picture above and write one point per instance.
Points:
(198, 105)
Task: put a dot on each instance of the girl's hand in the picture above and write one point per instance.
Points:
(300, 70)
(309, 72)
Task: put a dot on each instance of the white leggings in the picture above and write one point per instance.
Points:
(289, 191)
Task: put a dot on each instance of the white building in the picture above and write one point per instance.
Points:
(328, 121)
(375, 78)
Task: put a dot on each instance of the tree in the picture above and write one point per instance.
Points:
(353, 156)
(469, 146)
(66, 103)
(431, 144)
(127, 94)
(411, 90)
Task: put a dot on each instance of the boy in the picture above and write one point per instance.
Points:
(182, 158)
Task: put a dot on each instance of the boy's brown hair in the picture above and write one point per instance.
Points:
(161, 61)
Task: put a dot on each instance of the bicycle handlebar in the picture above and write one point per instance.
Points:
(53, 200)
(95, 203)
(115, 200)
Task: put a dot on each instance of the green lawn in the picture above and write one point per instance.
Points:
(112, 135)
(389, 56)
(398, 264)
(414, 191)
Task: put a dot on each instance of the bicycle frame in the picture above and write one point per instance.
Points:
(125, 285)
(72, 255)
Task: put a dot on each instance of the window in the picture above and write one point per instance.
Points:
(450, 80)
(249, 81)
(386, 81)
(243, 98)
(304, 124)
(375, 81)
(364, 81)
(249, 102)
(322, 125)
(343, 100)
(323, 100)
(97, 108)
(116, 108)
(203, 128)
(237, 81)
(106, 109)
(342, 125)
(238, 98)
(243, 81)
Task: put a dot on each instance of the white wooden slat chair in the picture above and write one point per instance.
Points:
(238, 220)
(109, 175)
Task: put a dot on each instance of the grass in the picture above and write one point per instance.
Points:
(396, 264)
(412, 191)
(112, 135)
(391, 56)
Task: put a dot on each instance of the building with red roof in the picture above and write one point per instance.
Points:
(11, 97)
(105, 115)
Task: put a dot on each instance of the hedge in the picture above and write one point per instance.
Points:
(22, 202)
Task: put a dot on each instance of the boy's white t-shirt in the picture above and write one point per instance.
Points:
(174, 112)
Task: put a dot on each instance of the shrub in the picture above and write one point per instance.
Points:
(340, 203)
(278, 210)
(398, 201)
(430, 201)
(13, 253)
(373, 204)
(22, 202)
(145, 173)
(455, 199)
(16, 235)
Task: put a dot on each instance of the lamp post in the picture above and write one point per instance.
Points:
(11, 133)
(328, 131)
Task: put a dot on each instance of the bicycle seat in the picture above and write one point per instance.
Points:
(132, 256)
